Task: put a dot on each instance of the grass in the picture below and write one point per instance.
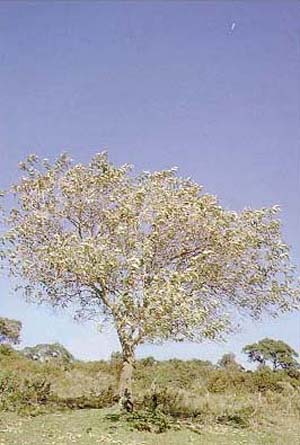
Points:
(90, 427)
(234, 408)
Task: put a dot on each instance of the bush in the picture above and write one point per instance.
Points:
(227, 380)
(183, 374)
(265, 380)
(17, 394)
(236, 417)
(7, 351)
(104, 399)
(234, 410)
(147, 362)
(153, 421)
(262, 380)
(171, 402)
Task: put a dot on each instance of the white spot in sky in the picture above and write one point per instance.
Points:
(233, 25)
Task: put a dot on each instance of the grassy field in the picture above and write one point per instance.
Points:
(90, 427)
(225, 406)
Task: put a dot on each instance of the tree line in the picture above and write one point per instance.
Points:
(266, 352)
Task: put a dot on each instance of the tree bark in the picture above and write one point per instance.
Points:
(125, 384)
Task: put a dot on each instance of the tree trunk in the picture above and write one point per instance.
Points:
(125, 385)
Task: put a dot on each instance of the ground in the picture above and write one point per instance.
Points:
(90, 427)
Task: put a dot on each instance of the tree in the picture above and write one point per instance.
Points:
(228, 361)
(48, 353)
(276, 352)
(10, 331)
(150, 253)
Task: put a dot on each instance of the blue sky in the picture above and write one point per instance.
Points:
(209, 87)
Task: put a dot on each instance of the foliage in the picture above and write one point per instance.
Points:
(148, 362)
(99, 238)
(153, 421)
(276, 352)
(238, 418)
(7, 351)
(170, 401)
(220, 381)
(105, 398)
(48, 352)
(228, 361)
(211, 396)
(193, 377)
(265, 380)
(88, 427)
(260, 381)
(72, 381)
(23, 394)
(10, 330)
(178, 373)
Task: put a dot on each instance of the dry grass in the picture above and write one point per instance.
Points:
(90, 427)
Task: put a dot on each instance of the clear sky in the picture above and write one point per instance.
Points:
(209, 87)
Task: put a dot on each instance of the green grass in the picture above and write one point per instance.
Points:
(90, 427)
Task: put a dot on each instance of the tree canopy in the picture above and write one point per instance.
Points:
(276, 352)
(48, 353)
(10, 330)
(151, 253)
(228, 361)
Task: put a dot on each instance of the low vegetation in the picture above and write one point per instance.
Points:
(93, 427)
(173, 397)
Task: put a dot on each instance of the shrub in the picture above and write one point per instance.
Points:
(227, 380)
(239, 417)
(262, 380)
(170, 401)
(104, 399)
(17, 394)
(148, 362)
(6, 350)
(153, 421)
(266, 380)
